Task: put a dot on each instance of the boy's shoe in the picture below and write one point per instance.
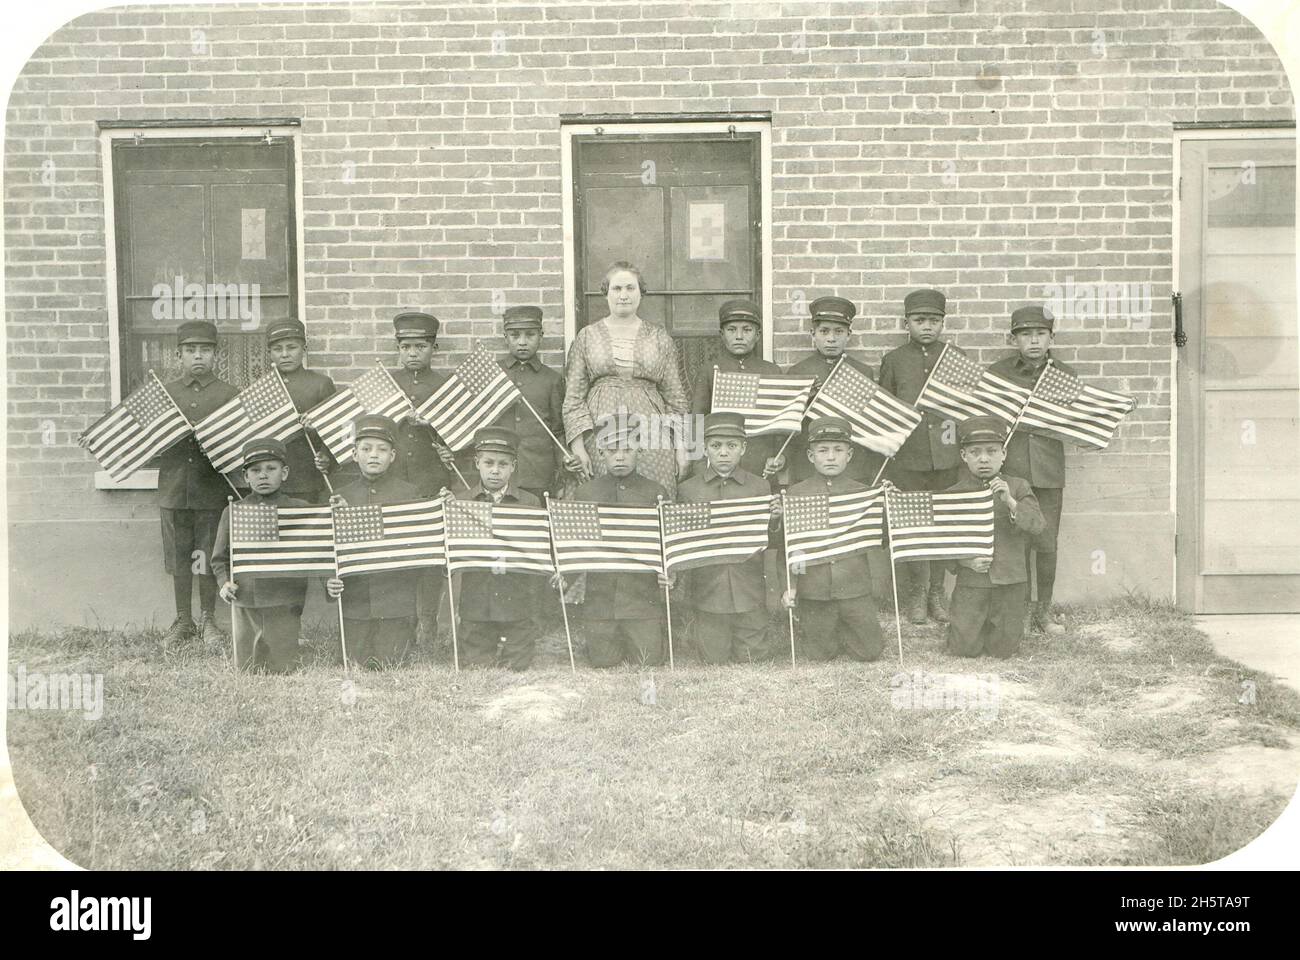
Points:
(211, 633)
(937, 603)
(182, 629)
(916, 602)
(1042, 621)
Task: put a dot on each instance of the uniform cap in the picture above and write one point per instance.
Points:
(264, 448)
(196, 331)
(981, 430)
(1032, 316)
(375, 425)
(522, 318)
(925, 301)
(745, 310)
(286, 329)
(496, 440)
(416, 324)
(829, 428)
(834, 309)
(724, 425)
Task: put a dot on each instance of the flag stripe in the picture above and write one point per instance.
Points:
(223, 433)
(475, 394)
(879, 420)
(779, 402)
(305, 544)
(332, 418)
(735, 530)
(951, 525)
(413, 536)
(854, 523)
(626, 537)
(518, 539)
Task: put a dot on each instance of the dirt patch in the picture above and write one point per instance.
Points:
(1251, 767)
(1112, 636)
(531, 704)
(1031, 751)
(1169, 698)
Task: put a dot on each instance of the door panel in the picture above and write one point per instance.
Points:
(1239, 388)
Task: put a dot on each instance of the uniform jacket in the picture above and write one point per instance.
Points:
(1032, 454)
(307, 388)
(417, 461)
(186, 479)
(865, 462)
(257, 591)
(757, 449)
(839, 578)
(622, 596)
(505, 597)
(543, 387)
(1010, 537)
(725, 587)
(903, 372)
(380, 596)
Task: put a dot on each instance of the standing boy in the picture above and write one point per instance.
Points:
(191, 494)
(836, 610)
(286, 342)
(497, 607)
(987, 613)
(928, 458)
(623, 612)
(832, 325)
(1036, 456)
(378, 608)
(541, 386)
(740, 326)
(729, 599)
(266, 612)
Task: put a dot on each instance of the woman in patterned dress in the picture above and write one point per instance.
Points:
(622, 373)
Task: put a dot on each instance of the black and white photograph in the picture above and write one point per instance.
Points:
(652, 436)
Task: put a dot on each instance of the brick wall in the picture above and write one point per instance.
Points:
(987, 148)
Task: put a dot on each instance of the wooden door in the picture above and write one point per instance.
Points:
(1238, 545)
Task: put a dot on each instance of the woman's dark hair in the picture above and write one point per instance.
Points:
(617, 266)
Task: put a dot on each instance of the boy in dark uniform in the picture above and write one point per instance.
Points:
(1036, 456)
(740, 326)
(495, 605)
(286, 342)
(191, 494)
(928, 458)
(543, 387)
(836, 610)
(987, 612)
(832, 325)
(378, 608)
(623, 612)
(729, 599)
(266, 612)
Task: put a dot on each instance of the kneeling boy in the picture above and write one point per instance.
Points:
(987, 610)
(266, 612)
(836, 610)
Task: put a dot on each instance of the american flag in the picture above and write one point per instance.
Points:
(960, 388)
(716, 531)
(391, 536)
(770, 403)
(506, 536)
(476, 393)
(940, 526)
(271, 540)
(605, 537)
(1063, 405)
(135, 431)
(375, 391)
(823, 526)
(880, 421)
(263, 409)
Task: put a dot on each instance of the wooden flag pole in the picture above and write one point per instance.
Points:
(811, 397)
(234, 621)
(785, 562)
(451, 594)
(343, 636)
(564, 451)
(312, 447)
(893, 581)
(668, 603)
(559, 584)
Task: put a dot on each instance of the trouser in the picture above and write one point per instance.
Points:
(727, 637)
(429, 589)
(500, 643)
(266, 638)
(1043, 546)
(638, 641)
(831, 627)
(187, 537)
(376, 644)
(983, 620)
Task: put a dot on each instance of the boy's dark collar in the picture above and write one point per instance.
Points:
(509, 490)
(1029, 365)
(532, 362)
(190, 379)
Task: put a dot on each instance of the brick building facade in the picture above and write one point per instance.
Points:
(987, 148)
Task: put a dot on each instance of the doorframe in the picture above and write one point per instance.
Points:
(1182, 133)
(685, 124)
(111, 131)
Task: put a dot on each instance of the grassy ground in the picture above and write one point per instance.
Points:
(1126, 741)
